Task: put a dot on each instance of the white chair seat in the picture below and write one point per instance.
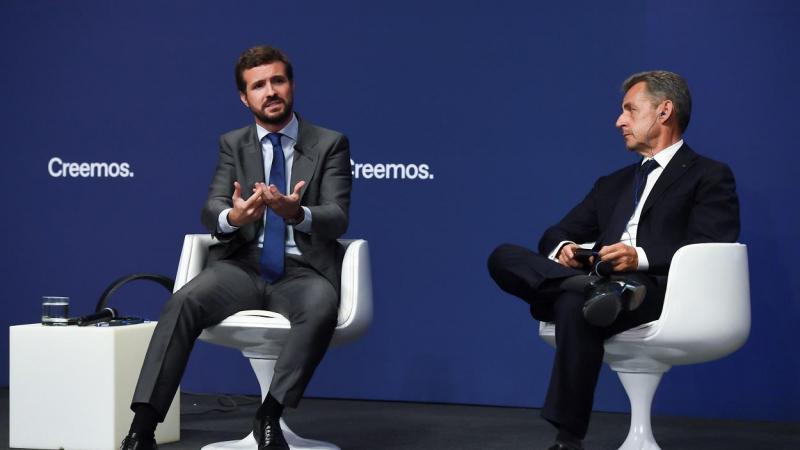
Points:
(547, 330)
(256, 333)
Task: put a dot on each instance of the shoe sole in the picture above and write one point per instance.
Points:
(634, 296)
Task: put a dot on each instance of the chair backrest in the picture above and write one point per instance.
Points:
(355, 307)
(707, 302)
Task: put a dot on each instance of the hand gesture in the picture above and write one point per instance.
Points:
(286, 206)
(246, 211)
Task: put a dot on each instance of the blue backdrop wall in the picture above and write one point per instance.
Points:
(499, 99)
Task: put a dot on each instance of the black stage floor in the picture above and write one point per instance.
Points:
(377, 425)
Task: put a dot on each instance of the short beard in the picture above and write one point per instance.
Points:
(275, 120)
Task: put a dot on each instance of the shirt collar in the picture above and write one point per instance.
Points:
(290, 130)
(665, 156)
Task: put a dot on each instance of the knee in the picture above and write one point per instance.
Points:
(320, 307)
(497, 259)
(184, 304)
(175, 303)
(500, 260)
(185, 297)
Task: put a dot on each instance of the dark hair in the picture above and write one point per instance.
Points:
(663, 85)
(258, 56)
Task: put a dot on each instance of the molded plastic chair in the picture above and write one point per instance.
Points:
(706, 316)
(260, 335)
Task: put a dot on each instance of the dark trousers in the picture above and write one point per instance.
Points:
(579, 345)
(302, 295)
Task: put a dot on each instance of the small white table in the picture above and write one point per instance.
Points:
(71, 387)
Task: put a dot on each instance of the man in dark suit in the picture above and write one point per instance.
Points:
(637, 217)
(278, 201)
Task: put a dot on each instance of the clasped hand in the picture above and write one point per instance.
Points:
(252, 209)
(623, 258)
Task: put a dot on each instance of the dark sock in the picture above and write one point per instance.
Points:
(145, 420)
(271, 407)
(567, 438)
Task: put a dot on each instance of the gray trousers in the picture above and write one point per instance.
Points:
(303, 296)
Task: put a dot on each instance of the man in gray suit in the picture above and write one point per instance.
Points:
(277, 203)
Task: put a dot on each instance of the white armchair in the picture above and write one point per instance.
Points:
(260, 335)
(706, 316)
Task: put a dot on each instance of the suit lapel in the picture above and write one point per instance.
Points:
(305, 156)
(679, 164)
(623, 209)
(252, 162)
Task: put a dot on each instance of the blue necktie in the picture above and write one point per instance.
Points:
(273, 252)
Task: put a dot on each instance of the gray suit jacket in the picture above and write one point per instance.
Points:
(321, 159)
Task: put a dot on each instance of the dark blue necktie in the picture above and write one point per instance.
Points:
(625, 207)
(641, 180)
(273, 252)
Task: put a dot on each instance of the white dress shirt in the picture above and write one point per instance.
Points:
(288, 141)
(629, 234)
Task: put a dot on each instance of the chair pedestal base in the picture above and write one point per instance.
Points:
(295, 442)
(640, 387)
(265, 369)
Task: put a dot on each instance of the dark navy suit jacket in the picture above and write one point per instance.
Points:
(693, 201)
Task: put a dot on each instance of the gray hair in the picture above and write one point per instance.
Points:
(662, 85)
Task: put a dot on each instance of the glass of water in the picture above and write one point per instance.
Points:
(55, 310)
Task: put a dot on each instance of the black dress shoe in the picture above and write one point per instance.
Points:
(605, 298)
(268, 434)
(136, 441)
(603, 302)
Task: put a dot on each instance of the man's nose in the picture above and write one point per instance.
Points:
(620, 121)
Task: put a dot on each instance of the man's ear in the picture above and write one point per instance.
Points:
(243, 98)
(666, 111)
